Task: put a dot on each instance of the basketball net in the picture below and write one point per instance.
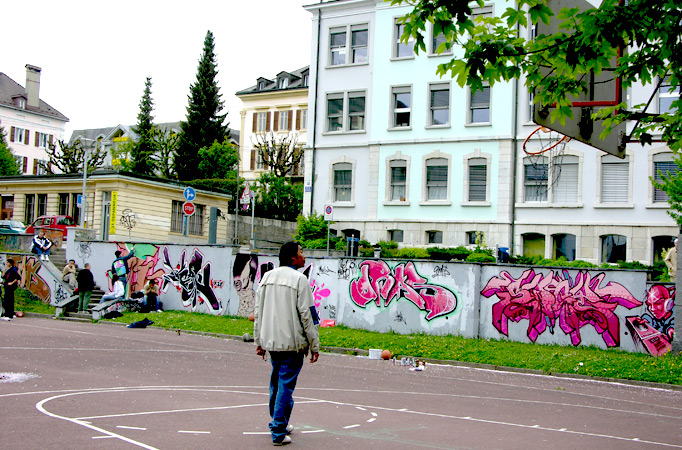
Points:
(545, 147)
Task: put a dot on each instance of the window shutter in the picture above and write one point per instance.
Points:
(298, 119)
(666, 168)
(267, 121)
(50, 140)
(477, 182)
(275, 121)
(289, 121)
(565, 190)
(35, 167)
(614, 182)
(11, 135)
(253, 159)
(255, 122)
(25, 164)
(26, 133)
(37, 139)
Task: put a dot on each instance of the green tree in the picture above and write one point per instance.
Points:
(8, 165)
(278, 198)
(121, 155)
(587, 41)
(65, 158)
(217, 160)
(205, 123)
(142, 151)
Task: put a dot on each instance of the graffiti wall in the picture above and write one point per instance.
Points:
(605, 308)
(36, 278)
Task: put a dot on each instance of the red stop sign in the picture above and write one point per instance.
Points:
(188, 208)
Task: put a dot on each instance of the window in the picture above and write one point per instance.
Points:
(43, 140)
(195, 222)
(263, 121)
(40, 166)
(661, 246)
(395, 235)
(564, 246)
(18, 135)
(615, 179)
(478, 179)
(534, 244)
(284, 120)
(437, 39)
(261, 85)
(75, 210)
(346, 111)
(434, 237)
(42, 205)
(401, 49)
(437, 179)
(301, 119)
(663, 166)
(565, 176)
(535, 179)
(666, 96)
(439, 104)
(613, 248)
(398, 180)
(283, 83)
(479, 105)
(305, 80)
(63, 204)
(338, 45)
(29, 208)
(475, 237)
(401, 99)
(343, 182)
(176, 217)
(529, 111)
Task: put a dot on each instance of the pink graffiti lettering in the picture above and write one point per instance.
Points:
(378, 282)
(542, 299)
(319, 292)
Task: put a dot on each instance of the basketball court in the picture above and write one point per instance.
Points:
(87, 386)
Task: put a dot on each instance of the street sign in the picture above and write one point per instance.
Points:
(328, 213)
(246, 196)
(79, 200)
(188, 208)
(189, 194)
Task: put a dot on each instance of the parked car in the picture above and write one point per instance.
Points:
(60, 222)
(12, 227)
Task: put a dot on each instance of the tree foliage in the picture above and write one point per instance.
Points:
(165, 143)
(142, 151)
(280, 153)
(587, 41)
(8, 165)
(278, 198)
(121, 155)
(310, 228)
(204, 124)
(67, 158)
(218, 160)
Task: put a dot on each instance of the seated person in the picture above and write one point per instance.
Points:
(151, 294)
(41, 246)
(69, 274)
(118, 291)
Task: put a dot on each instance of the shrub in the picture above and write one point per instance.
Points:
(460, 253)
(312, 227)
(480, 257)
(439, 254)
(412, 253)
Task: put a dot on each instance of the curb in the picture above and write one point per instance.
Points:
(362, 352)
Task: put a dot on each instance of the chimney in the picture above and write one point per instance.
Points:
(33, 85)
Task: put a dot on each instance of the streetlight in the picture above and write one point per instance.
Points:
(84, 198)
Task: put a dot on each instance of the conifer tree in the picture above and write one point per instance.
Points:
(141, 153)
(204, 124)
(8, 165)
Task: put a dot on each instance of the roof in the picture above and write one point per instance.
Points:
(10, 89)
(296, 80)
(107, 133)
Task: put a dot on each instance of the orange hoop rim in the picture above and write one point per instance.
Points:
(543, 150)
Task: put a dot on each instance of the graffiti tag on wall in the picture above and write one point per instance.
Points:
(378, 282)
(544, 299)
(655, 329)
(192, 278)
(31, 281)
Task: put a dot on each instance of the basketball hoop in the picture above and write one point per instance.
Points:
(549, 140)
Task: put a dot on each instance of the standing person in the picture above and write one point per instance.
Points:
(120, 265)
(671, 262)
(41, 246)
(151, 294)
(10, 280)
(69, 274)
(118, 290)
(86, 283)
(285, 324)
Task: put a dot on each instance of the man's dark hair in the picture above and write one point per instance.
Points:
(152, 281)
(117, 253)
(10, 261)
(287, 253)
(72, 260)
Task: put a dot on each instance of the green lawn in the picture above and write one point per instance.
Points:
(546, 358)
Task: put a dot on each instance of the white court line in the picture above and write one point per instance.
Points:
(312, 431)
(130, 428)
(351, 426)
(103, 437)
(194, 432)
(256, 432)
(371, 420)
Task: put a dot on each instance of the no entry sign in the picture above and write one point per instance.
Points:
(188, 208)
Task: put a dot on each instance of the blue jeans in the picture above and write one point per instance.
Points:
(285, 369)
(39, 251)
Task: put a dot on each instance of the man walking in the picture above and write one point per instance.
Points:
(285, 324)
(86, 283)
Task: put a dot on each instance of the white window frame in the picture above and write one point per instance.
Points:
(467, 159)
(527, 183)
(395, 110)
(332, 188)
(471, 108)
(304, 119)
(390, 163)
(664, 92)
(427, 160)
(346, 115)
(398, 46)
(431, 108)
(43, 140)
(432, 48)
(348, 49)
(284, 119)
(20, 135)
(559, 161)
(262, 121)
(603, 159)
(436, 233)
(658, 155)
(283, 83)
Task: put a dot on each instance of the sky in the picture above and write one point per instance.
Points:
(96, 55)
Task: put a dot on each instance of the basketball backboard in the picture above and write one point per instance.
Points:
(603, 90)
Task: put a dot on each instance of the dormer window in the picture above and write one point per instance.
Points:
(283, 83)
(305, 80)
(261, 85)
(20, 102)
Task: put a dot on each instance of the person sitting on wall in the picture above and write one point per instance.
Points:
(41, 246)
(118, 290)
(151, 294)
(69, 274)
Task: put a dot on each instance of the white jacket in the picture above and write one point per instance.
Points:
(283, 313)
(119, 289)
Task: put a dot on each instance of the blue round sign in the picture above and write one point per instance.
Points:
(189, 194)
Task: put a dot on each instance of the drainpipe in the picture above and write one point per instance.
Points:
(515, 131)
(317, 78)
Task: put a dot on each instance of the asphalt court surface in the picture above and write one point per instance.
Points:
(74, 385)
